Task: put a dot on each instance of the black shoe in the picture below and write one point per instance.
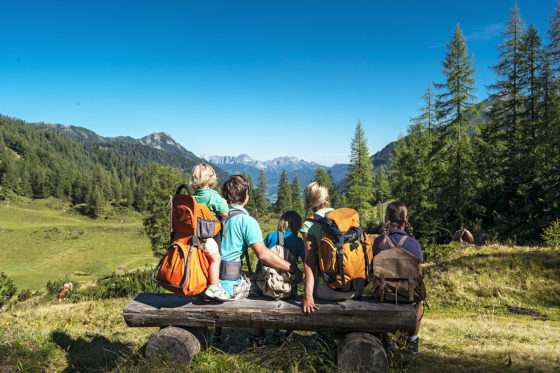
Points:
(412, 346)
(389, 343)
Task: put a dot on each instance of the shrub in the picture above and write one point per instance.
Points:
(433, 252)
(551, 234)
(7, 288)
(24, 295)
(115, 286)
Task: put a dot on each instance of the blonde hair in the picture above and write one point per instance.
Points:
(289, 220)
(204, 176)
(316, 196)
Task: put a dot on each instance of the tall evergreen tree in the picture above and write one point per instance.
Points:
(360, 190)
(262, 190)
(284, 201)
(160, 183)
(453, 105)
(334, 197)
(297, 197)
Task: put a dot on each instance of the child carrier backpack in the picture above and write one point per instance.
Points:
(345, 252)
(184, 268)
(396, 277)
(275, 283)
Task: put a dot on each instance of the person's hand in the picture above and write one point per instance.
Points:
(308, 305)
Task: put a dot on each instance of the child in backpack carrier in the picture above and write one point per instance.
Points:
(204, 180)
(396, 227)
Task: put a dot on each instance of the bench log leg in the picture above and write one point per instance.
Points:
(361, 352)
(175, 343)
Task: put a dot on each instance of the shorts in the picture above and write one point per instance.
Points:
(210, 246)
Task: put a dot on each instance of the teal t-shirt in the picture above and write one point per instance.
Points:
(240, 232)
(212, 199)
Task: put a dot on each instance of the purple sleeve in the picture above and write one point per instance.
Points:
(376, 248)
(416, 250)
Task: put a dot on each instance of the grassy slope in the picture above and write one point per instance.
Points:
(42, 240)
(468, 328)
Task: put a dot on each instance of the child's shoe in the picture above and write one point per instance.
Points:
(412, 346)
(217, 292)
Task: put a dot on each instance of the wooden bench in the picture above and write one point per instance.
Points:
(182, 317)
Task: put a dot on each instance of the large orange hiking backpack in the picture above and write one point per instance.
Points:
(345, 251)
(184, 268)
(396, 275)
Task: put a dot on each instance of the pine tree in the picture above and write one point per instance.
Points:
(334, 197)
(284, 201)
(297, 197)
(360, 190)
(453, 106)
(323, 177)
(95, 202)
(552, 115)
(262, 190)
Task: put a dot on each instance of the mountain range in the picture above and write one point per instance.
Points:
(161, 148)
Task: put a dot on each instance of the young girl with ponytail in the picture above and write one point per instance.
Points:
(397, 226)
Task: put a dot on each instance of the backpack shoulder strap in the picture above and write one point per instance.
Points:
(281, 238)
(391, 244)
(401, 242)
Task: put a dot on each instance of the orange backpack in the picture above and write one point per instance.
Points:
(345, 251)
(184, 268)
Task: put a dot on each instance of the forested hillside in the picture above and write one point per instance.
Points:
(40, 162)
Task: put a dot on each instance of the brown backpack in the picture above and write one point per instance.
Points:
(396, 277)
(275, 283)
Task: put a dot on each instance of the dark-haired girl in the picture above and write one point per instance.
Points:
(397, 226)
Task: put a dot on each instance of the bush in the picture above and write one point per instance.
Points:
(551, 234)
(24, 295)
(7, 288)
(115, 286)
(433, 252)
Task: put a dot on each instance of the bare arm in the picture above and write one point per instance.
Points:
(269, 257)
(225, 213)
(310, 264)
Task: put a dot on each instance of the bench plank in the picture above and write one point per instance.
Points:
(364, 315)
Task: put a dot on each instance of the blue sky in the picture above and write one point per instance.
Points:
(258, 77)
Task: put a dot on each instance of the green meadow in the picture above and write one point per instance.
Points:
(42, 240)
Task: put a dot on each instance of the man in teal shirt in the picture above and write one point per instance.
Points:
(242, 231)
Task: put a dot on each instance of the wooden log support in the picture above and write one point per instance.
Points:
(174, 343)
(361, 352)
(364, 315)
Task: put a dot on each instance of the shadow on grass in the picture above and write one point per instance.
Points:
(90, 354)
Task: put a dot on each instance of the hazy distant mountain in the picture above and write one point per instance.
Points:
(272, 169)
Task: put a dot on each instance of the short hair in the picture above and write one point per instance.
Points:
(235, 189)
(204, 176)
(316, 195)
(289, 220)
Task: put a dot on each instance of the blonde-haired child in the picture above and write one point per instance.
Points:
(204, 180)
